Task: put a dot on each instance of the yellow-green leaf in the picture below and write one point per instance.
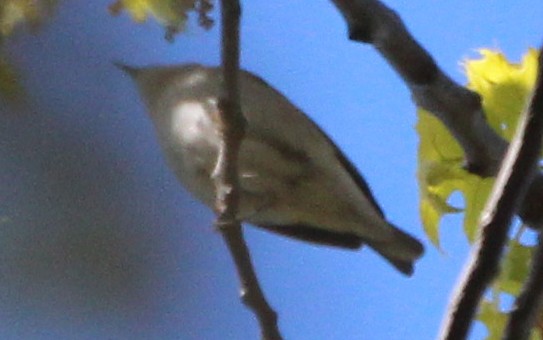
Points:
(16, 12)
(172, 14)
(439, 160)
(515, 268)
(440, 173)
(493, 319)
(504, 88)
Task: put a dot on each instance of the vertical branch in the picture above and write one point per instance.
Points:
(514, 177)
(232, 128)
(529, 302)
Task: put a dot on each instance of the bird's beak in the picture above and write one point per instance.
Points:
(130, 70)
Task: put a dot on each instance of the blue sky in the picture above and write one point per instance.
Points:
(102, 242)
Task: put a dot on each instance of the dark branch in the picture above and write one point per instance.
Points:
(232, 127)
(251, 293)
(529, 303)
(458, 108)
(519, 187)
(370, 21)
(232, 123)
(519, 167)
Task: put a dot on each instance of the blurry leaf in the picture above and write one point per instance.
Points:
(515, 268)
(493, 319)
(13, 14)
(16, 12)
(514, 271)
(10, 88)
(504, 89)
(172, 14)
(476, 191)
(440, 173)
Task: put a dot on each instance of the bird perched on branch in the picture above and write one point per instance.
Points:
(293, 179)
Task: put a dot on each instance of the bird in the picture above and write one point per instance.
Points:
(294, 180)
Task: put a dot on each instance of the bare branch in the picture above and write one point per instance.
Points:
(529, 303)
(232, 123)
(519, 166)
(225, 174)
(251, 293)
(371, 21)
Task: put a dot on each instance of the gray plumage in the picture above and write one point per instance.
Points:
(294, 180)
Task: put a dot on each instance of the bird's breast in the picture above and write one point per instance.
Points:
(194, 123)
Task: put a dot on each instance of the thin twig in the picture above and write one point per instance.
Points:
(225, 174)
(519, 166)
(529, 302)
(251, 293)
(459, 109)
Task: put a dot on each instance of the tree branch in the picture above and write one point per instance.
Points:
(370, 21)
(529, 302)
(232, 128)
(519, 166)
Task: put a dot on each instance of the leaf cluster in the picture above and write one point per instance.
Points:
(504, 88)
(172, 14)
(15, 15)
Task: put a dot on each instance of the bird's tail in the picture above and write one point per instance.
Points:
(400, 249)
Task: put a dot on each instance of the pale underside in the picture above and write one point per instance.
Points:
(280, 185)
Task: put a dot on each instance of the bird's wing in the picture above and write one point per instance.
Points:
(316, 235)
(302, 132)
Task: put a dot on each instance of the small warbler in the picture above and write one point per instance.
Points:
(293, 179)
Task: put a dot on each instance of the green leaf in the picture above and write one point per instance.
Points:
(496, 320)
(172, 14)
(504, 88)
(14, 13)
(493, 319)
(515, 268)
(440, 173)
